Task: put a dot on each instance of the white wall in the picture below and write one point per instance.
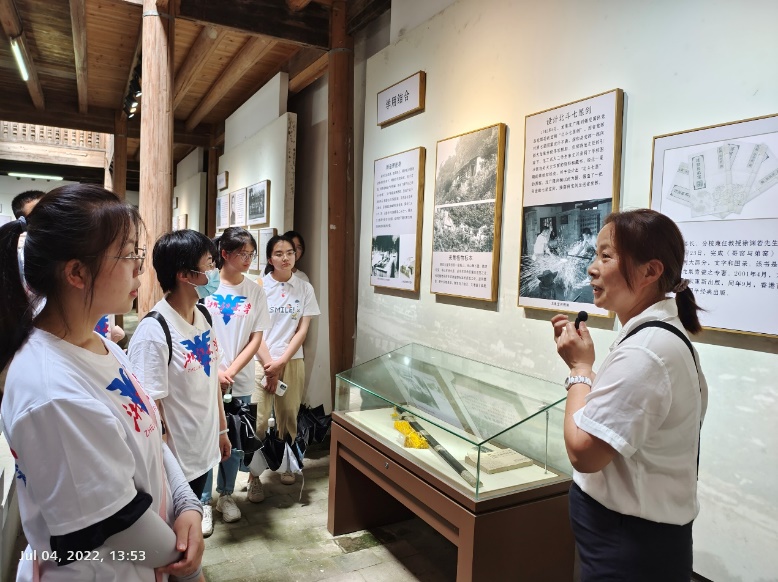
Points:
(269, 154)
(266, 105)
(682, 65)
(191, 189)
(10, 187)
(409, 14)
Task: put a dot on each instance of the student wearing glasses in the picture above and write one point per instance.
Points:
(292, 303)
(239, 312)
(179, 368)
(100, 496)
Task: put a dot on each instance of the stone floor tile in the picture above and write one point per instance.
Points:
(234, 569)
(347, 577)
(356, 560)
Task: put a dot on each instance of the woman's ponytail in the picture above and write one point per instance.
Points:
(687, 310)
(16, 309)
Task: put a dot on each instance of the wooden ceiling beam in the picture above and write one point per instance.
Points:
(202, 49)
(12, 26)
(46, 154)
(297, 5)
(270, 18)
(133, 63)
(360, 13)
(305, 67)
(78, 24)
(255, 48)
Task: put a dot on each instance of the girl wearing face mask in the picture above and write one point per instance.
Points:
(180, 370)
(239, 312)
(292, 304)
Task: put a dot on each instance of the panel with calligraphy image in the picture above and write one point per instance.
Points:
(572, 167)
(398, 192)
(222, 211)
(468, 214)
(238, 208)
(720, 185)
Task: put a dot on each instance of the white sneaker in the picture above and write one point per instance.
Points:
(207, 520)
(255, 492)
(287, 478)
(229, 510)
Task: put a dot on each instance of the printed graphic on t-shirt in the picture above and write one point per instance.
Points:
(199, 351)
(293, 310)
(229, 306)
(19, 474)
(103, 327)
(125, 387)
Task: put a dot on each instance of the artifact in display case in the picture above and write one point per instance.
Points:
(481, 430)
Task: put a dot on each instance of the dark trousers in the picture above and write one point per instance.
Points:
(623, 548)
(198, 484)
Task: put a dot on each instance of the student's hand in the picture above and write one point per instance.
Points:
(225, 380)
(559, 321)
(225, 447)
(275, 369)
(189, 541)
(270, 384)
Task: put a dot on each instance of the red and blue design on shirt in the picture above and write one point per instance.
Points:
(229, 306)
(126, 388)
(19, 474)
(199, 350)
(103, 327)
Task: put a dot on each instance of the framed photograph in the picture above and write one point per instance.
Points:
(572, 177)
(398, 195)
(175, 202)
(183, 221)
(222, 180)
(255, 263)
(265, 234)
(222, 211)
(468, 214)
(259, 203)
(238, 208)
(720, 185)
(402, 99)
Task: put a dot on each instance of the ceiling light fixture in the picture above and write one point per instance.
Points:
(34, 176)
(17, 51)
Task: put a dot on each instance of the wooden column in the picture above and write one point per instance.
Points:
(342, 284)
(210, 191)
(156, 136)
(120, 155)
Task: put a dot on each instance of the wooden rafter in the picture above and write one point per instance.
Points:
(47, 154)
(297, 5)
(305, 67)
(133, 63)
(270, 18)
(254, 49)
(202, 49)
(78, 23)
(12, 26)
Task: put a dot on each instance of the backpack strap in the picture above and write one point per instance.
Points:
(166, 329)
(668, 327)
(204, 310)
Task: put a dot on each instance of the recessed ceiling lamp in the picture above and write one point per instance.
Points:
(17, 51)
(34, 176)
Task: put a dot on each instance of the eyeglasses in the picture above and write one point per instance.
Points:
(282, 254)
(139, 254)
(246, 256)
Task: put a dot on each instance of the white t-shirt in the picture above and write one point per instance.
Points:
(189, 385)
(287, 303)
(237, 312)
(647, 402)
(300, 275)
(86, 439)
(105, 325)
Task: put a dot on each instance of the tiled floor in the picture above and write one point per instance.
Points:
(285, 538)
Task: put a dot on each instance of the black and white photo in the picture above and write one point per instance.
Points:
(258, 202)
(468, 209)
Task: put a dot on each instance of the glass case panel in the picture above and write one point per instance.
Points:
(488, 431)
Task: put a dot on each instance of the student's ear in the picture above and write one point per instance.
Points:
(652, 271)
(76, 274)
(182, 276)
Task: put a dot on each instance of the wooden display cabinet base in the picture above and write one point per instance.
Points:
(521, 536)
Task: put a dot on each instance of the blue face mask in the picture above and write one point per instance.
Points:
(211, 286)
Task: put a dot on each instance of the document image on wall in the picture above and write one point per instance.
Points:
(720, 185)
(398, 191)
(238, 208)
(222, 212)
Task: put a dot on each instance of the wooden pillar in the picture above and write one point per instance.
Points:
(120, 155)
(210, 191)
(120, 168)
(156, 136)
(342, 283)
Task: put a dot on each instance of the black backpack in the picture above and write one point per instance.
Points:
(166, 329)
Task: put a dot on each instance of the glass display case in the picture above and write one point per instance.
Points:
(482, 430)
